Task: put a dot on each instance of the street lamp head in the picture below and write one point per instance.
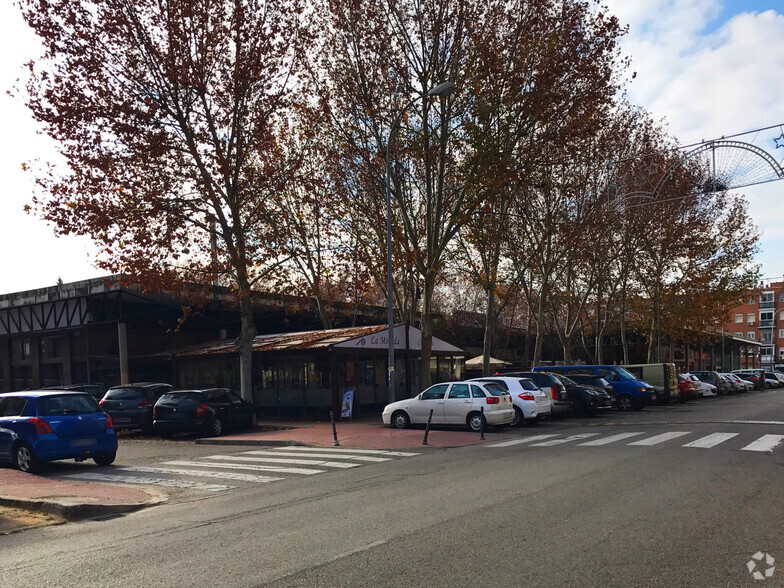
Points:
(442, 89)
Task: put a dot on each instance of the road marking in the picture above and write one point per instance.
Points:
(329, 455)
(610, 439)
(523, 440)
(318, 462)
(765, 443)
(566, 440)
(150, 481)
(349, 450)
(711, 440)
(757, 422)
(244, 466)
(198, 473)
(656, 439)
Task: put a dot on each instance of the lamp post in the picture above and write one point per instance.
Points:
(442, 89)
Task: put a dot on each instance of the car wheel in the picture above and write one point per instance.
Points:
(25, 459)
(518, 418)
(216, 427)
(400, 420)
(474, 421)
(625, 402)
(105, 459)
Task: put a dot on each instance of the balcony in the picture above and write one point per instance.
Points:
(766, 323)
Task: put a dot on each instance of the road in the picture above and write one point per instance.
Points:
(672, 496)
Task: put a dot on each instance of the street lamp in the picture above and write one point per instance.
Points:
(442, 89)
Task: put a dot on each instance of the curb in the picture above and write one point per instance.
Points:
(75, 512)
(251, 442)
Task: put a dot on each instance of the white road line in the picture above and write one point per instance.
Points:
(151, 481)
(519, 441)
(245, 466)
(711, 440)
(610, 439)
(566, 440)
(656, 439)
(349, 450)
(318, 462)
(757, 422)
(319, 454)
(198, 474)
(765, 443)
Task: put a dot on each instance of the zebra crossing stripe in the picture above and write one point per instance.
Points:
(296, 448)
(711, 440)
(318, 462)
(565, 440)
(523, 440)
(198, 474)
(186, 484)
(319, 454)
(245, 466)
(656, 439)
(608, 440)
(764, 443)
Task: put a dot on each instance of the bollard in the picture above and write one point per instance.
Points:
(483, 425)
(334, 430)
(427, 427)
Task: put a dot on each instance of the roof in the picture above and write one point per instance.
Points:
(371, 337)
(476, 362)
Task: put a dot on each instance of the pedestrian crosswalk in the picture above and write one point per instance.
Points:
(764, 444)
(258, 466)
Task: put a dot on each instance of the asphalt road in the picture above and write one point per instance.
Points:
(672, 496)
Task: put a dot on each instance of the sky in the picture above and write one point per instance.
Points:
(710, 68)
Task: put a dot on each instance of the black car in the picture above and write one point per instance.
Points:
(552, 386)
(130, 405)
(210, 411)
(585, 400)
(92, 389)
(595, 381)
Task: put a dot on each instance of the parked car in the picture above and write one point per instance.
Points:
(92, 389)
(686, 387)
(551, 386)
(753, 375)
(130, 405)
(211, 412)
(530, 402)
(741, 384)
(585, 400)
(453, 403)
(596, 381)
(771, 381)
(629, 392)
(663, 377)
(48, 425)
(715, 379)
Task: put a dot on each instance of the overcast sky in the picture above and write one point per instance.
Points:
(710, 68)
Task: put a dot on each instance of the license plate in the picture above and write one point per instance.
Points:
(83, 442)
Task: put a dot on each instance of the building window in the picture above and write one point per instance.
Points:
(766, 297)
(750, 335)
(750, 318)
(737, 334)
(739, 317)
(781, 333)
(766, 351)
(766, 337)
(781, 297)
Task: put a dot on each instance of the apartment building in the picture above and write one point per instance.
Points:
(761, 318)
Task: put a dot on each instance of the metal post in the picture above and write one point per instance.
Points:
(390, 283)
(427, 427)
(483, 424)
(334, 430)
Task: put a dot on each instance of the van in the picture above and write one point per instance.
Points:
(629, 392)
(662, 376)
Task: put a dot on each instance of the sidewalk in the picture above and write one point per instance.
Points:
(368, 433)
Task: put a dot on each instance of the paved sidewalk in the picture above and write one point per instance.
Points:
(367, 433)
(71, 500)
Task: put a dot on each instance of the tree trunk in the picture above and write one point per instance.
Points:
(326, 320)
(427, 332)
(539, 332)
(566, 342)
(489, 332)
(245, 344)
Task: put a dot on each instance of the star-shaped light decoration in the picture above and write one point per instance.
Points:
(779, 140)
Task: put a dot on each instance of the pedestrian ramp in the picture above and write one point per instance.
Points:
(763, 444)
(222, 472)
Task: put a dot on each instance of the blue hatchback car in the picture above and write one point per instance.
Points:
(46, 425)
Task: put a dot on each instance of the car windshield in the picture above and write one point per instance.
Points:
(495, 389)
(180, 396)
(623, 374)
(528, 384)
(67, 404)
(567, 381)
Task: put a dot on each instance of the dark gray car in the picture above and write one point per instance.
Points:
(130, 405)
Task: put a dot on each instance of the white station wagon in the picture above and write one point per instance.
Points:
(453, 403)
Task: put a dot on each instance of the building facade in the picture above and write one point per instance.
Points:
(761, 318)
